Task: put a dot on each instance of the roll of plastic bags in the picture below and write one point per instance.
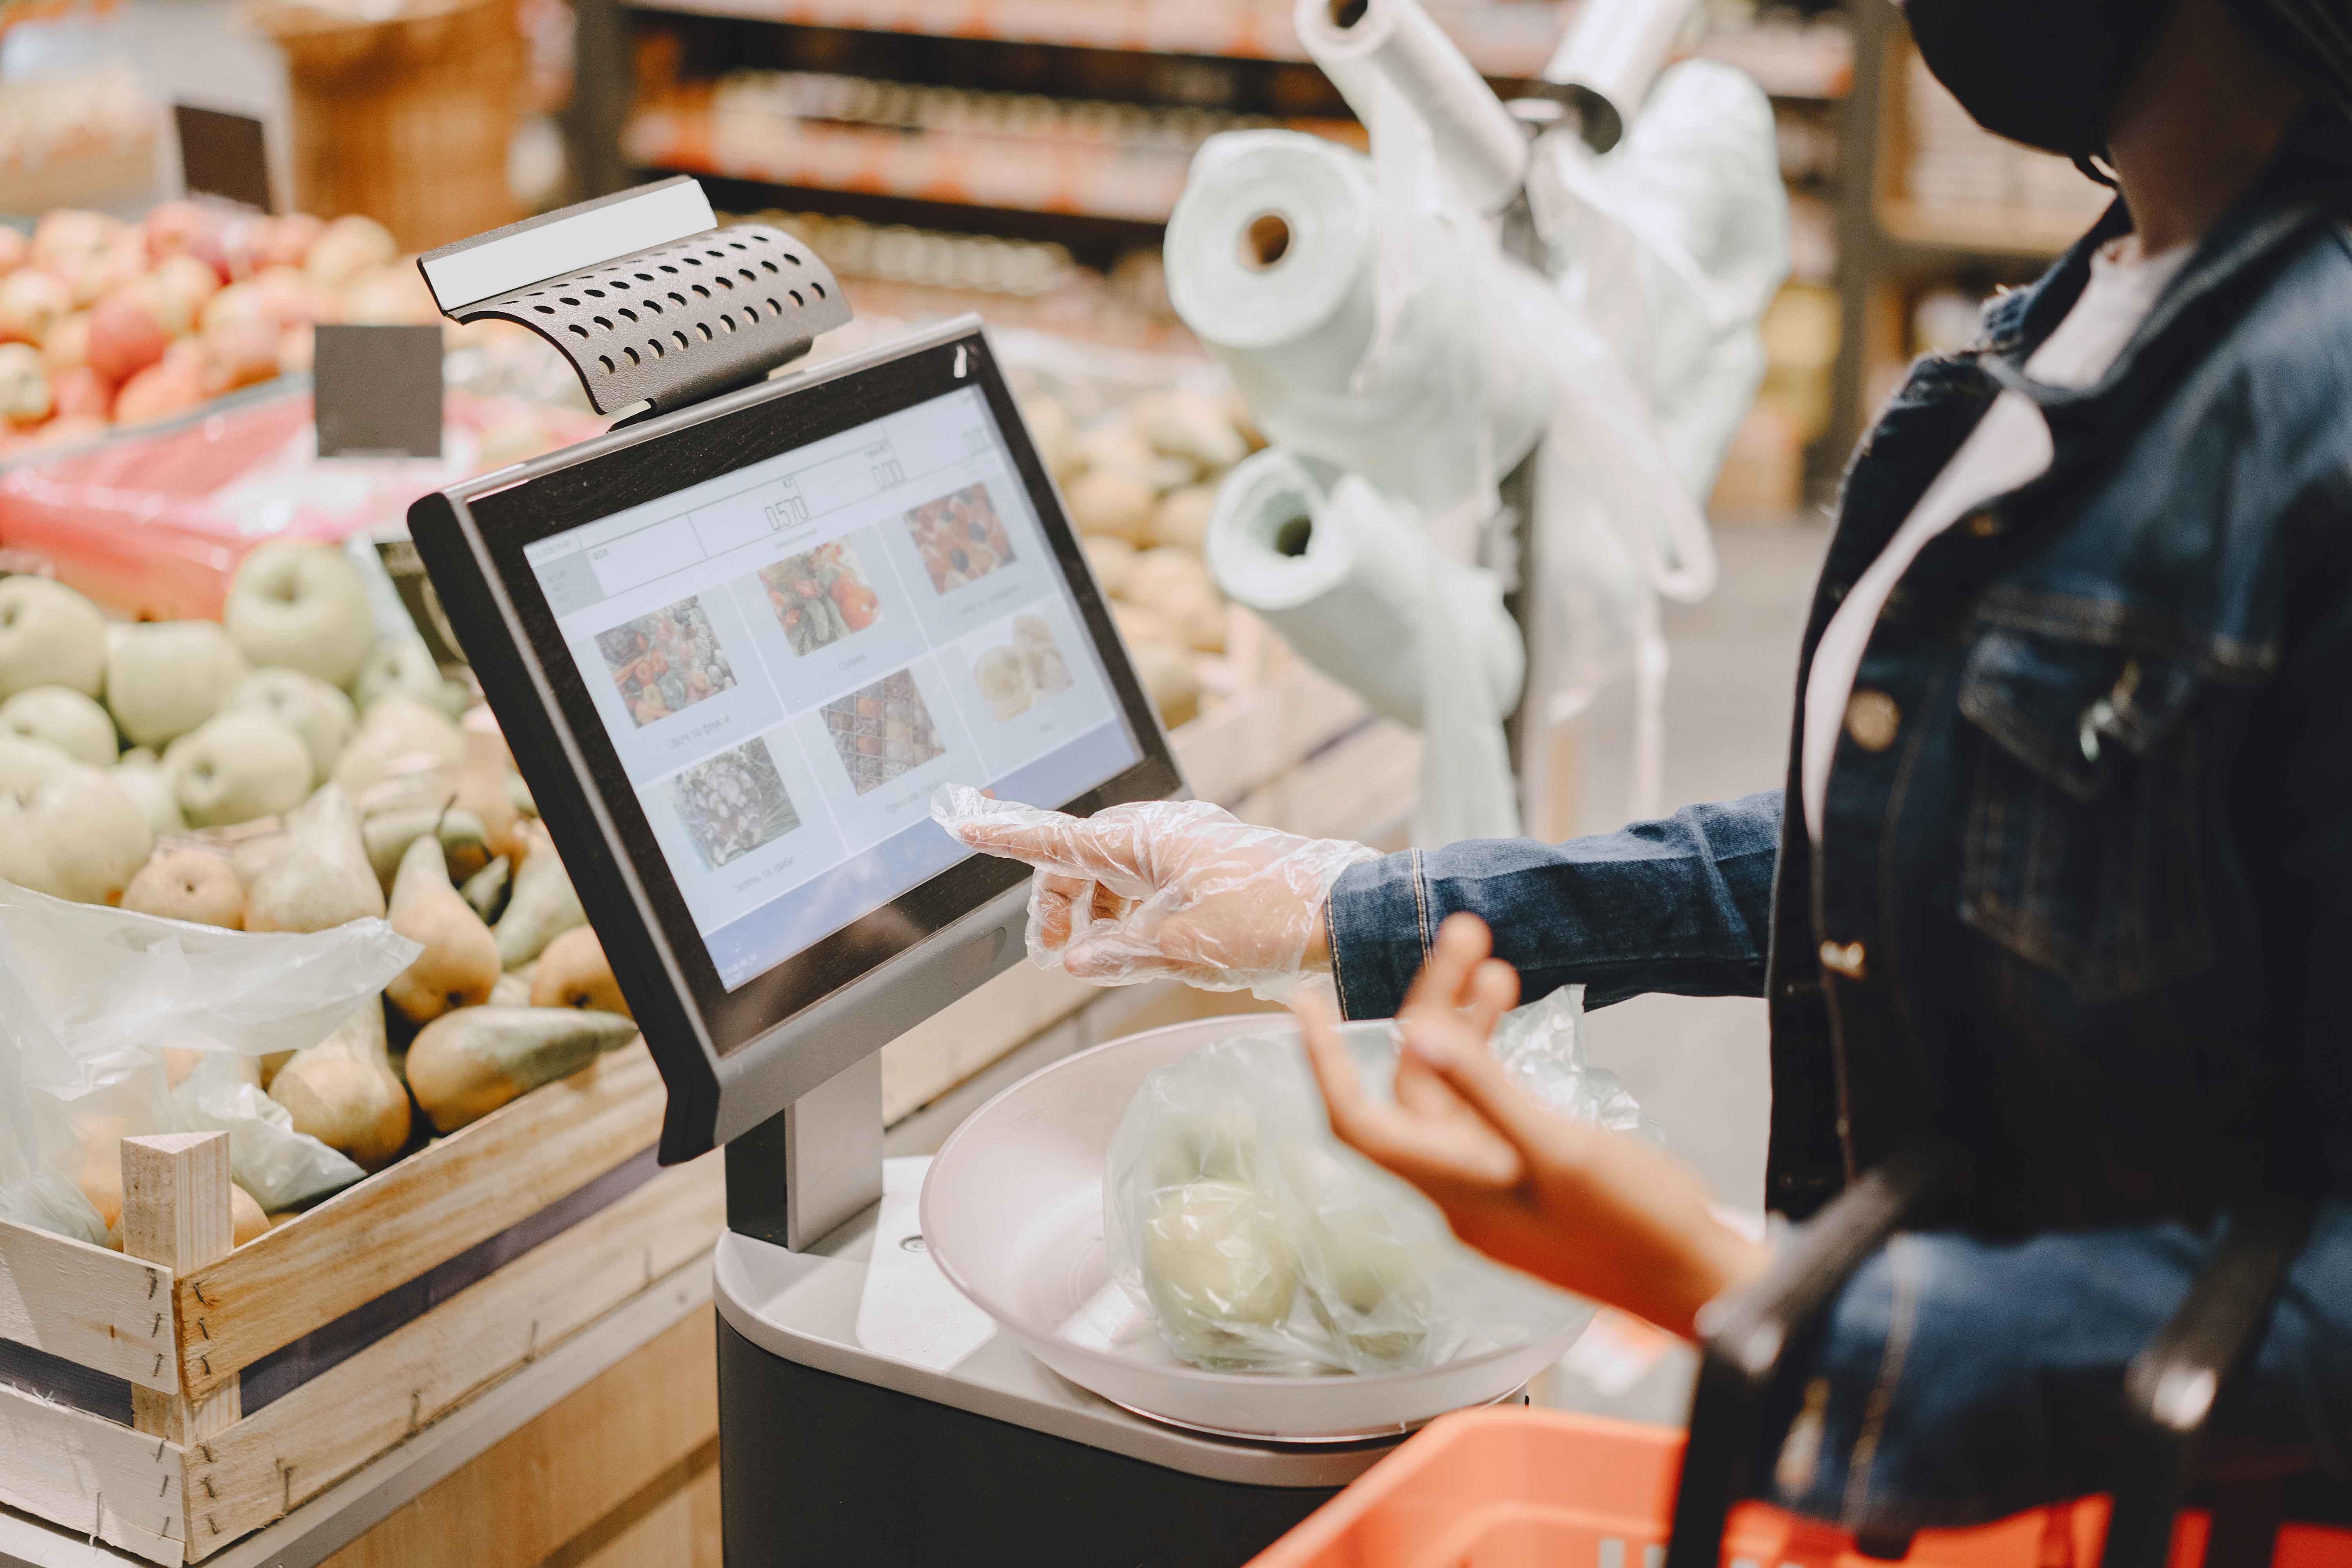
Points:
(1360, 589)
(1387, 56)
(90, 999)
(1254, 1241)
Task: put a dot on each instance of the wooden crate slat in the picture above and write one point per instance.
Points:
(91, 1475)
(422, 1211)
(93, 1307)
(321, 1431)
(1239, 746)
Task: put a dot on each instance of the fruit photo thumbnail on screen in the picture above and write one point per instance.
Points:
(821, 596)
(733, 803)
(664, 660)
(882, 730)
(960, 537)
(1013, 676)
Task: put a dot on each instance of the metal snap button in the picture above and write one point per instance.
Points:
(1873, 720)
(1987, 525)
(1845, 958)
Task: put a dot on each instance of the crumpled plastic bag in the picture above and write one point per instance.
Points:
(90, 999)
(1255, 1241)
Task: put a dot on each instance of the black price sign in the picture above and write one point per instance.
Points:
(376, 390)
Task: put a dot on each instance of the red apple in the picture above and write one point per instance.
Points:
(181, 285)
(12, 249)
(81, 394)
(285, 241)
(66, 346)
(127, 334)
(31, 302)
(169, 387)
(24, 396)
(68, 239)
(348, 247)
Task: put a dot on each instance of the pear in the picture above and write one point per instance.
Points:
(343, 1091)
(320, 713)
(237, 766)
(460, 961)
(399, 667)
(572, 972)
(49, 636)
(397, 734)
(71, 833)
(246, 1218)
(165, 677)
(389, 836)
(150, 791)
(319, 875)
(61, 717)
(543, 906)
(520, 793)
(482, 788)
(486, 890)
(295, 604)
(24, 763)
(189, 883)
(465, 1065)
(514, 989)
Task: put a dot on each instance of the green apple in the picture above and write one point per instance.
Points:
(305, 704)
(73, 835)
(140, 774)
(49, 636)
(236, 766)
(295, 604)
(165, 677)
(61, 717)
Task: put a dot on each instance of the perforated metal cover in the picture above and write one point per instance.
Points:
(680, 323)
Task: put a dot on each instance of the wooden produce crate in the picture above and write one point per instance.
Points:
(174, 1397)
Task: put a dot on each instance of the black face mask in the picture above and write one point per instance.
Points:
(2043, 72)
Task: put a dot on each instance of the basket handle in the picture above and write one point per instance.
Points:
(1746, 1334)
(2171, 1386)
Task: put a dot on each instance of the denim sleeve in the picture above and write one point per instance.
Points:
(1957, 1381)
(1681, 904)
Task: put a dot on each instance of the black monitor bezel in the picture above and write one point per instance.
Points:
(511, 636)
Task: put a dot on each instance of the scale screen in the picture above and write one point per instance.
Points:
(735, 651)
(789, 661)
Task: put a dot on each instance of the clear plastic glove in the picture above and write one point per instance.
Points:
(1164, 888)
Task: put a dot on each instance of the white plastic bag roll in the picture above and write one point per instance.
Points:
(1388, 341)
(1358, 588)
(1479, 148)
(1610, 58)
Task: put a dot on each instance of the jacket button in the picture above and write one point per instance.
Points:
(1842, 958)
(1872, 719)
(1986, 524)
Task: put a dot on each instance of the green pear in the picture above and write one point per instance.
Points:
(317, 712)
(465, 1064)
(543, 905)
(49, 636)
(486, 889)
(389, 834)
(142, 777)
(296, 604)
(68, 719)
(165, 677)
(237, 766)
(398, 734)
(319, 875)
(73, 835)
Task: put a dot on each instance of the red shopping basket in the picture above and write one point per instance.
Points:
(1544, 1489)
(1519, 1488)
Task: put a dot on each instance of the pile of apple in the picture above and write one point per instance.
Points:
(284, 769)
(104, 321)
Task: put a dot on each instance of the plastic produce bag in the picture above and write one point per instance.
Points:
(1255, 1241)
(90, 999)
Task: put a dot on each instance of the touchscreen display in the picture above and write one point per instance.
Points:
(789, 660)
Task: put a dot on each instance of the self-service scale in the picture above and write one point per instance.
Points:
(735, 646)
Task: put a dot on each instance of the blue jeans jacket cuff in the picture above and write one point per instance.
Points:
(1378, 920)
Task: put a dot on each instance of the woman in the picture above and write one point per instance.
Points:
(2062, 868)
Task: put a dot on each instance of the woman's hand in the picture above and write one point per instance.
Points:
(1592, 1211)
(1164, 888)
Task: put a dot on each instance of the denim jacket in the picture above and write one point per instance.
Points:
(2082, 900)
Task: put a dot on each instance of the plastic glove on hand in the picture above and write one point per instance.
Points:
(1179, 889)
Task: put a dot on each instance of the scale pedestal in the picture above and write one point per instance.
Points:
(870, 1414)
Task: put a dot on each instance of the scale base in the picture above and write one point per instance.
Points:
(870, 1414)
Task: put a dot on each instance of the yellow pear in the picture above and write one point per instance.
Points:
(317, 875)
(460, 961)
(189, 883)
(342, 1093)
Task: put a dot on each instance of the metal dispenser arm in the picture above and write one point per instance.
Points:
(1604, 68)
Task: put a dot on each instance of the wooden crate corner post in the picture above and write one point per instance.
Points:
(176, 1212)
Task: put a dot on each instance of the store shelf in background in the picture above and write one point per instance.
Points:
(1983, 231)
(1028, 174)
(1504, 41)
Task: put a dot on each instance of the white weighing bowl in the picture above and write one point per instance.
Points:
(1012, 1211)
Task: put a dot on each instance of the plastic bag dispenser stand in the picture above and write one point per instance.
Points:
(870, 1413)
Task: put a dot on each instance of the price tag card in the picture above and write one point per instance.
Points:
(377, 391)
(223, 156)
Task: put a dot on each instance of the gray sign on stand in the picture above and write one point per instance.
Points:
(223, 156)
(376, 390)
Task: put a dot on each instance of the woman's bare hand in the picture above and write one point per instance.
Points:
(1592, 1211)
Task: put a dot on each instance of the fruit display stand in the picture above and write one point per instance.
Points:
(424, 1328)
